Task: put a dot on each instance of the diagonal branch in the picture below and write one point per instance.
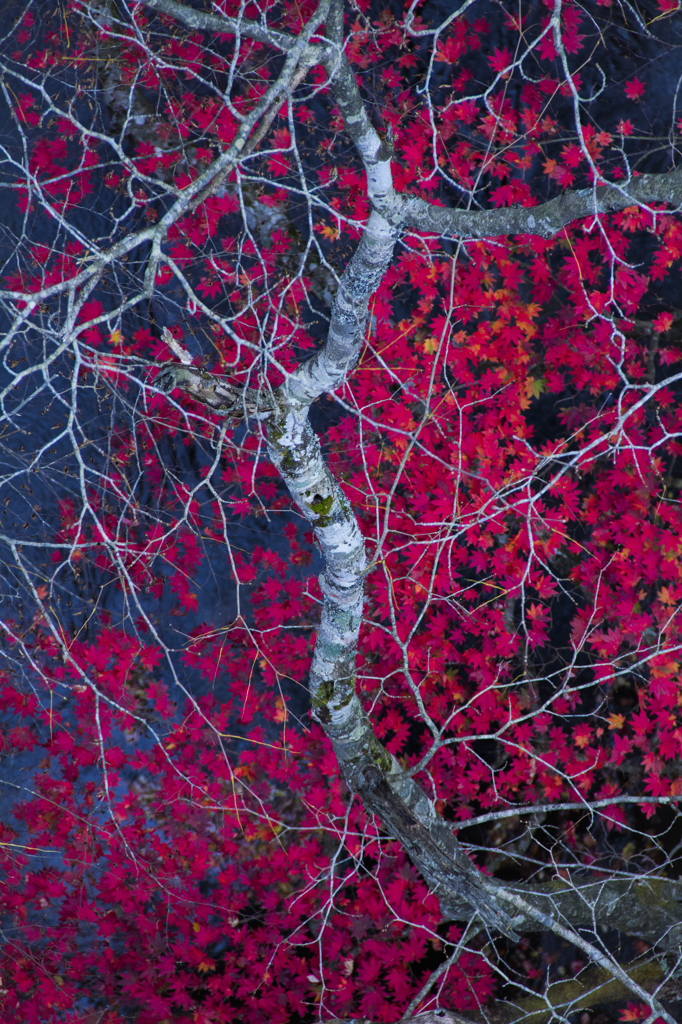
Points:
(370, 771)
(222, 24)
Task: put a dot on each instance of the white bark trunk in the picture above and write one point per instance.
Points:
(293, 447)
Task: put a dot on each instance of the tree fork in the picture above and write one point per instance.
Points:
(368, 768)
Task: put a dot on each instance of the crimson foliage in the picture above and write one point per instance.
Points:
(181, 846)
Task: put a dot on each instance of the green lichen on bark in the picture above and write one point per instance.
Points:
(379, 755)
(320, 699)
(322, 508)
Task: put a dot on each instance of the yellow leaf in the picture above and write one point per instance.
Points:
(582, 736)
(616, 721)
(115, 337)
(535, 386)
(430, 346)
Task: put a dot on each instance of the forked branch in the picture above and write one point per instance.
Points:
(370, 771)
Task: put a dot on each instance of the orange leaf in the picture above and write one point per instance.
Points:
(582, 735)
(327, 231)
(635, 1011)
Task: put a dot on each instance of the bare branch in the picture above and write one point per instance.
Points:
(544, 220)
(221, 24)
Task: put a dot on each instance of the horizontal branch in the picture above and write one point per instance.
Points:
(544, 220)
(95, 264)
(648, 907)
(412, 212)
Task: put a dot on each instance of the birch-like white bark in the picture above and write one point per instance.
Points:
(293, 447)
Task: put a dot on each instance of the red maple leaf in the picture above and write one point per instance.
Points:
(634, 89)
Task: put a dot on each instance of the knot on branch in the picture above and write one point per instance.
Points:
(220, 395)
(368, 779)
